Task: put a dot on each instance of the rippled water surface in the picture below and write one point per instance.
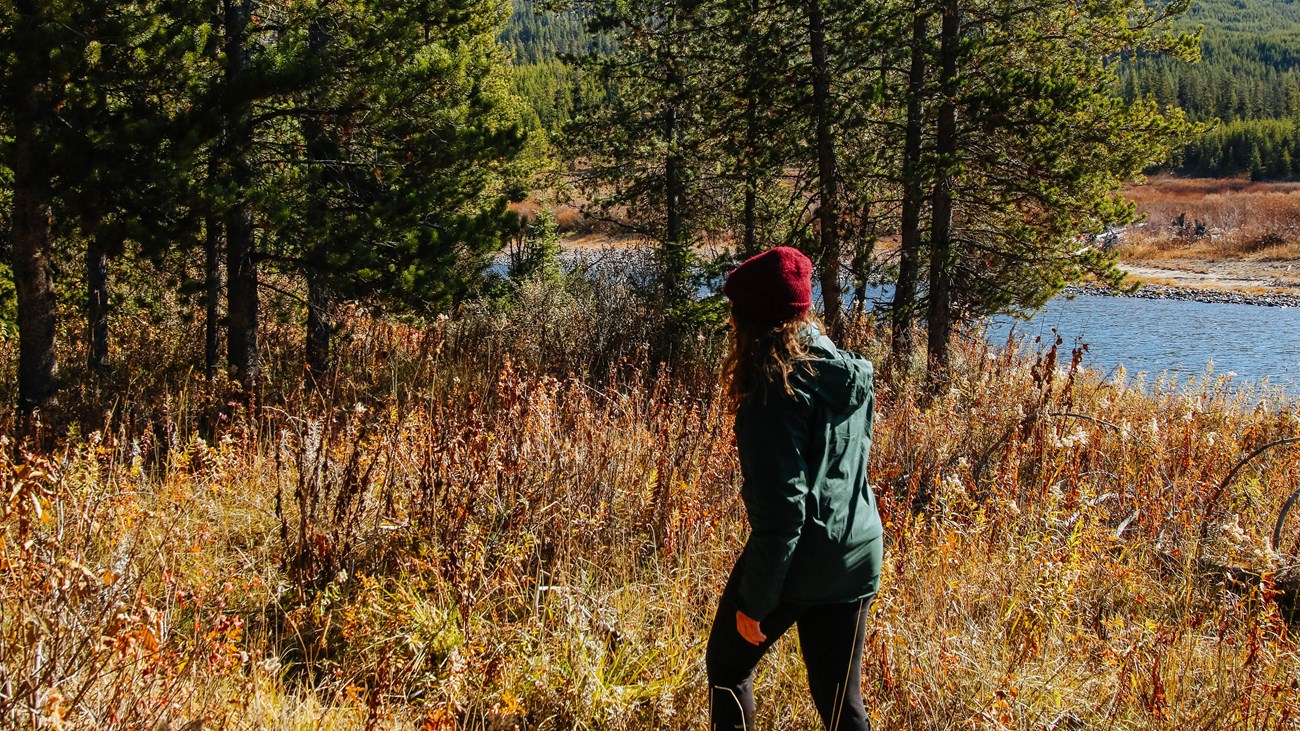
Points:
(1176, 338)
(1173, 336)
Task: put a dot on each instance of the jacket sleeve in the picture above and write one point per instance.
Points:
(771, 437)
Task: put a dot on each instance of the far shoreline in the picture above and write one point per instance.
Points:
(1207, 295)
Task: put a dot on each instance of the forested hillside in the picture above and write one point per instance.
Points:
(1247, 83)
(534, 35)
(543, 45)
(1248, 79)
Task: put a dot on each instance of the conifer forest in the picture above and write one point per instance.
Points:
(360, 359)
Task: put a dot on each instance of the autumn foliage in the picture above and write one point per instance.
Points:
(511, 519)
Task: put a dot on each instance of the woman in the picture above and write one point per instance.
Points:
(803, 413)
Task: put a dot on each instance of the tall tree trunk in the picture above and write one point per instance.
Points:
(212, 239)
(827, 205)
(674, 258)
(902, 311)
(241, 263)
(320, 325)
(96, 303)
(96, 260)
(30, 236)
(322, 151)
(33, 280)
(939, 317)
(749, 245)
(749, 242)
(864, 253)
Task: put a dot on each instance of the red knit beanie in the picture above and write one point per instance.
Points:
(772, 287)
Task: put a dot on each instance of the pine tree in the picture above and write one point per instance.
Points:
(31, 78)
(88, 152)
(1031, 149)
(409, 141)
(641, 147)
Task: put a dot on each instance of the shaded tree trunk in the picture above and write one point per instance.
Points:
(322, 152)
(320, 325)
(241, 264)
(749, 243)
(749, 239)
(30, 236)
(96, 303)
(939, 317)
(675, 230)
(827, 205)
(33, 281)
(903, 310)
(864, 252)
(213, 235)
(674, 259)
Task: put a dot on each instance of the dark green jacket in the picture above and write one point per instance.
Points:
(815, 535)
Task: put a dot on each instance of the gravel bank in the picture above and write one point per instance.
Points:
(1190, 294)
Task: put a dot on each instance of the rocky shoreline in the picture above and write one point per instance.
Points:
(1189, 294)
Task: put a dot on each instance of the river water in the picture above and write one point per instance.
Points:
(1256, 345)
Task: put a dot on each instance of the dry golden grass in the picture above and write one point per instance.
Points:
(510, 520)
(1214, 219)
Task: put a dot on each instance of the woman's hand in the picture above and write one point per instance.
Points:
(749, 629)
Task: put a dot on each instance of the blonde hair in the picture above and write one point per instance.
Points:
(759, 355)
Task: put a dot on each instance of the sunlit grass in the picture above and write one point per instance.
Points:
(1214, 219)
(476, 526)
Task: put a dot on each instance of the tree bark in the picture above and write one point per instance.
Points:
(903, 310)
(673, 184)
(939, 316)
(213, 235)
(320, 325)
(321, 150)
(749, 244)
(96, 303)
(241, 264)
(673, 257)
(30, 236)
(827, 205)
(33, 282)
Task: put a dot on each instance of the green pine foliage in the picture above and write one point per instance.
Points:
(554, 94)
(536, 34)
(403, 191)
(1248, 77)
(365, 148)
(1263, 148)
(545, 45)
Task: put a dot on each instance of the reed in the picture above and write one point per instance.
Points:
(1214, 219)
(509, 518)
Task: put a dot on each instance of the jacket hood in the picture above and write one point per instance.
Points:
(840, 379)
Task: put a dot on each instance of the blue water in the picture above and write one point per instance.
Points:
(1172, 337)
(1177, 339)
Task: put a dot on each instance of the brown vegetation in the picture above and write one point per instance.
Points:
(1214, 219)
(512, 519)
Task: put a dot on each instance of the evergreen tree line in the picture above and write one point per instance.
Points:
(536, 34)
(1247, 70)
(982, 139)
(1266, 149)
(1211, 89)
(554, 93)
(1247, 79)
(366, 148)
(361, 148)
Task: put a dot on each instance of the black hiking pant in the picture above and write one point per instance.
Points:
(831, 637)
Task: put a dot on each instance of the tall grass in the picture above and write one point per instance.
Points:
(1215, 219)
(509, 518)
